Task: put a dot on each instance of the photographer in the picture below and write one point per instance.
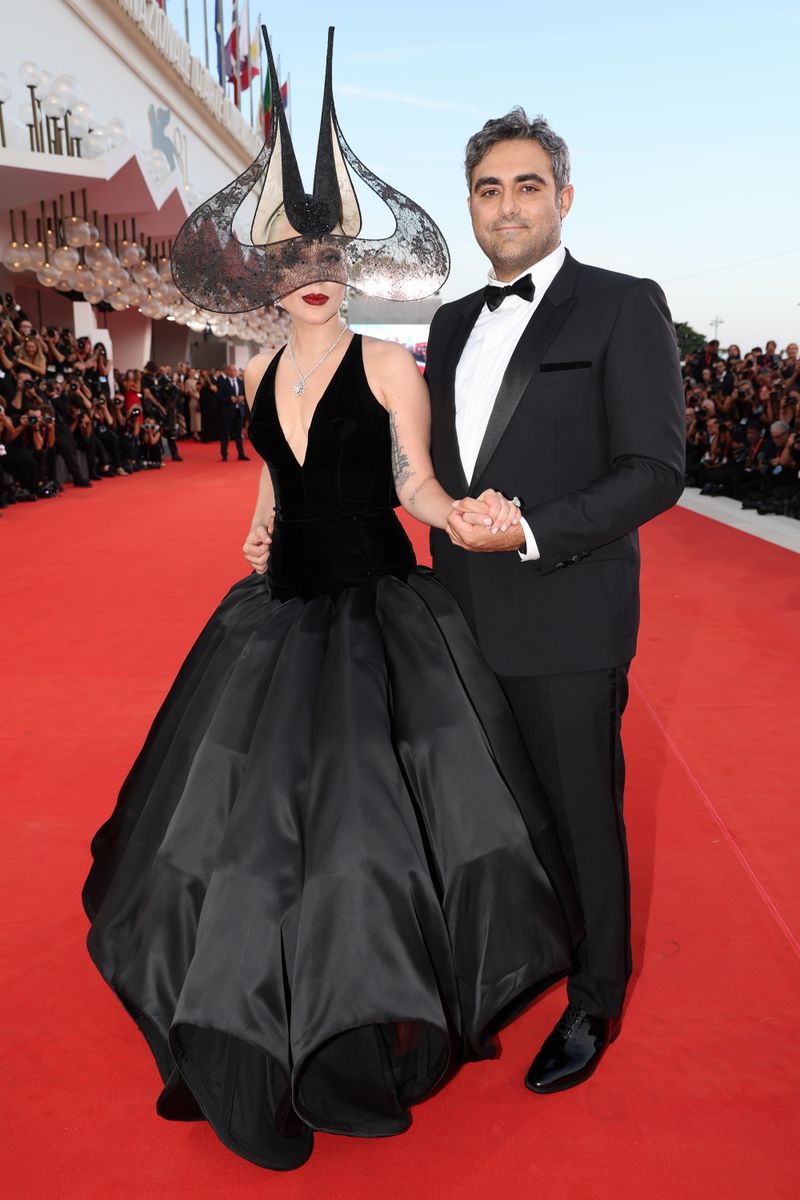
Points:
(104, 422)
(150, 440)
(37, 436)
(17, 461)
(168, 396)
(129, 424)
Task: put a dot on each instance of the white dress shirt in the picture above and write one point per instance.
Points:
(484, 360)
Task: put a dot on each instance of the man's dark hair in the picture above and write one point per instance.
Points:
(517, 124)
(150, 367)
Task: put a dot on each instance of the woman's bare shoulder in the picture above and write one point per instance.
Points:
(254, 371)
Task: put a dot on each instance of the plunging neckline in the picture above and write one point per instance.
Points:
(302, 464)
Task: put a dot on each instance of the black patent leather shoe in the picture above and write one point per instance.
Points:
(572, 1051)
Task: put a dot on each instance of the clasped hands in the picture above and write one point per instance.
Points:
(487, 523)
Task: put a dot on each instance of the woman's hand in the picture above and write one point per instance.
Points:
(257, 544)
(504, 513)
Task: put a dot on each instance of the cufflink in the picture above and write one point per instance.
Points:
(516, 500)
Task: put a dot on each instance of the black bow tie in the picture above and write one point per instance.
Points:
(494, 296)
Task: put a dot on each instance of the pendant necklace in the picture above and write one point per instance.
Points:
(299, 388)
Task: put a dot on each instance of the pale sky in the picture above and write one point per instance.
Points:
(682, 123)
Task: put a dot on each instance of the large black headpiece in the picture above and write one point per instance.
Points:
(318, 240)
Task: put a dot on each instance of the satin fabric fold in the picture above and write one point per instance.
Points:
(331, 873)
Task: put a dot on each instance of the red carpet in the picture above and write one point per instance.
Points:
(105, 592)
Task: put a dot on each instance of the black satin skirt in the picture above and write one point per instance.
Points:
(331, 873)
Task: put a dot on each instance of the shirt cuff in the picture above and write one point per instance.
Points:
(531, 549)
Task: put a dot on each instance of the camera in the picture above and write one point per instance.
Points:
(30, 419)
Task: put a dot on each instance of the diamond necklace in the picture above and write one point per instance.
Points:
(299, 388)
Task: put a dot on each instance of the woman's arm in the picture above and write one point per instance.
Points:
(397, 381)
(257, 543)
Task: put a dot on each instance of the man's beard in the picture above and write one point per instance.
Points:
(510, 257)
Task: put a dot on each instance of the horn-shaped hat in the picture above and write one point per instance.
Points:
(218, 272)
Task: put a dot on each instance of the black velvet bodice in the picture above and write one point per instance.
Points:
(334, 521)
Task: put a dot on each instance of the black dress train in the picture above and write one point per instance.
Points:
(330, 873)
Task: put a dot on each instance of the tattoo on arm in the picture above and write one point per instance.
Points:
(401, 467)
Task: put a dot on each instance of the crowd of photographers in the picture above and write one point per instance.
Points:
(743, 426)
(60, 397)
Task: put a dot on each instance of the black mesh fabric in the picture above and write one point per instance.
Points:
(217, 271)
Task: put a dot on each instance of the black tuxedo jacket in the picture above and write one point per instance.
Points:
(588, 430)
(227, 389)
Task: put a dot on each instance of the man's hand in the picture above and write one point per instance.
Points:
(480, 537)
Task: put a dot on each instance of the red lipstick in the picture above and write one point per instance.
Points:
(316, 298)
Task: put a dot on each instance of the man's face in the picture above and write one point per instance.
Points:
(779, 437)
(516, 214)
(771, 347)
(791, 351)
(752, 436)
(25, 328)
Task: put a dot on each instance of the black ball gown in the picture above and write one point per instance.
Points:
(330, 873)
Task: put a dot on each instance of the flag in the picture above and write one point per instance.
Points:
(250, 62)
(218, 33)
(285, 98)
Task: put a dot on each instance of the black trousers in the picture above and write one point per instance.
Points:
(231, 419)
(572, 725)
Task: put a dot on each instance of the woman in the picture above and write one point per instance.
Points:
(31, 357)
(330, 875)
(191, 391)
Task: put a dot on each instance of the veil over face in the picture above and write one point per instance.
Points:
(218, 272)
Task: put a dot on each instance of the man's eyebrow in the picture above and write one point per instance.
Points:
(528, 177)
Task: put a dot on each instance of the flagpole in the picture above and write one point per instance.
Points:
(250, 81)
(223, 82)
(288, 100)
(238, 69)
(205, 27)
(186, 18)
(262, 81)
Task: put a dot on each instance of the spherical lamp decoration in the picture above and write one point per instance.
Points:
(49, 275)
(64, 284)
(95, 144)
(97, 255)
(94, 294)
(5, 88)
(44, 84)
(66, 259)
(68, 88)
(76, 232)
(30, 74)
(84, 277)
(117, 131)
(14, 256)
(118, 302)
(145, 274)
(53, 105)
(78, 125)
(82, 111)
(37, 256)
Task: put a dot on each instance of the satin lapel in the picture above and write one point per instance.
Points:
(455, 348)
(537, 336)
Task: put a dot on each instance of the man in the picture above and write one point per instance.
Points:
(559, 385)
(230, 411)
